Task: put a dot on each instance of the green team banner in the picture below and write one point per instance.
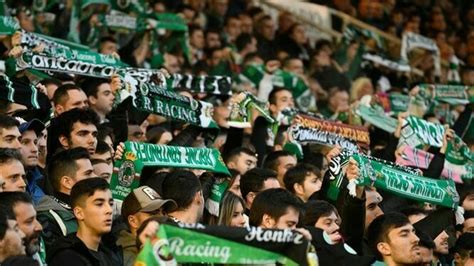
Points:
(241, 113)
(224, 245)
(417, 132)
(400, 180)
(152, 98)
(452, 94)
(138, 155)
(8, 25)
(377, 117)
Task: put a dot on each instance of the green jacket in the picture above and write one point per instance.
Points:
(57, 221)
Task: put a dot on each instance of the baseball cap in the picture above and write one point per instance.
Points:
(33, 124)
(145, 199)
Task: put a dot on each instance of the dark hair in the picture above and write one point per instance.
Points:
(273, 202)
(321, 43)
(8, 200)
(154, 134)
(61, 94)
(155, 181)
(91, 85)
(87, 187)
(102, 147)
(64, 163)
(425, 240)
(408, 211)
(243, 40)
(464, 245)
(229, 18)
(468, 215)
(4, 226)
(181, 186)
(253, 179)
(107, 39)
(63, 125)
(271, 160)
(272, 96)
(380, 228)
(236, 152)
(297, 175)
(315, 209)
(8, 122)
(103, 130)
(193, 27)
(7, 155)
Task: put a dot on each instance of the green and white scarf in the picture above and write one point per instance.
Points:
(8, 25)
(396, 179)
(217, 194)
(153, 99)
(452, 94)
(137, 155)
(224, 245)
(240, 114)
(416, 132)
(376, 116)
(123, 23)
(399, 102)
(412, 40)
(395, 66)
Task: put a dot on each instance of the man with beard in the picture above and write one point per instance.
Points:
(21, 205)
(11, 237)
(393, 240)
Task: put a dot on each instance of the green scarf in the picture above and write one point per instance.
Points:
(160, 101)
(8, 25)
(137, 155)
(418, 132)
(395, 66)
(217, 194)
(224, 245)
(412, 40)
(138, 7)
(123, 23)
(393, 178)
(399, 102)
(376, 116)
(240, 114)
(452, 94)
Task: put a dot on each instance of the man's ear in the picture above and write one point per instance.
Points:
(272, 108)
(267, 221)
(198, 198)
(299, 190)
(78, 213)
(64, 141)
(231, 165)
(384, 248)
(132, 221)
(66, 182)
(92, 100)
(59, 108)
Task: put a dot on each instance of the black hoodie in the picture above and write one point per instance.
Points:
(72, 251)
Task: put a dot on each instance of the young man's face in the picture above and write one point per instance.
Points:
(468, 226)
(96, 212)
(287, 221)
(283, 99)
(12, 242)
(10, 138)
(135, 133)
(243, 163)
(402, 246)
(75, 99)
(284, 163)
(82, 135)
(235, 188)
(29, 149)
(441, 242)
(103, 165)
(84, 169)
(108, 47)
(330, 225)
(372, 208)
(104, 100)
(312, 183)
(13, 174)
(468, 203)
(26, 218)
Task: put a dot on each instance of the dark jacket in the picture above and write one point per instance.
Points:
(34, 176)
(72, 251)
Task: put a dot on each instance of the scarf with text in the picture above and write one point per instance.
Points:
(311, 129)
(225, 245)
(452, 94)
(417, 132)
(154, 99)
(219, 85)
(137, 155)
(397, 179)
(421, 159)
